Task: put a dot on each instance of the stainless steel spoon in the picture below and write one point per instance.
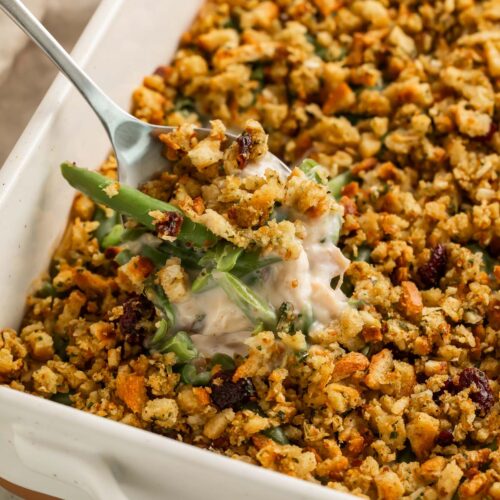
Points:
(137, 150)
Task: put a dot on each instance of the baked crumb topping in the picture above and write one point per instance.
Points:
(397, 101)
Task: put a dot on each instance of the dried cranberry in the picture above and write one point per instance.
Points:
(494, 247)
(169, 225)
(229, 394)
(449, 386)
(431, 272)
(111, 252)
(135, 309)
(244, 142)
(221, 442)
(160, 71)
(482, 395)
(444, 438)
(394, 276)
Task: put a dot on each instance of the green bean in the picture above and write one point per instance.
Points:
(356, 304)
(106, 224)
(306, 319)
(223, 257)
(406, 455)
(277, 435)
(62, 398)
(311, 169)
(364, 253)
(202, 282)
(302, 355)
(493, 446)
(189, 256)
(286, 318)
(241, 263)
(160, 336)
(181, 345)
(114, 237)
(228, 258)
(133, 233)
(253, 306)
(46, 290)
(366, 350)
(250, 262)
(336, 229)
(258, 74)
(245, 265)
(185, 104)
(347, 287)
(54, 268)
(156, 295)
(209, 258)
(190, 376)
(253, 406)
(123, 257)
(60, 345)
(258, 327)
(488, 261)
(336, 184)
(133, 203)
(157, 257)
(225, 361)
(287, 323)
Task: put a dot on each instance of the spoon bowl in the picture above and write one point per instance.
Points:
(139, 152)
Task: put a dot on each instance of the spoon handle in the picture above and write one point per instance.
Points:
(107, 111)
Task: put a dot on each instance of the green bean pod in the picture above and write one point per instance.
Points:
(181, 345)
(252, 305)
(277, 435)
(190, 376)
(133, 203)
(336, 184)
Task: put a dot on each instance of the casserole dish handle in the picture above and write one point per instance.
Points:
(53, 456)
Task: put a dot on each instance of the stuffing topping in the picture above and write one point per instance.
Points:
(339, 325)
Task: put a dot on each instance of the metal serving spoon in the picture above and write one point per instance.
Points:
(137, 150)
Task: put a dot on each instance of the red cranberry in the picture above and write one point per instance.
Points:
(444, 438)
(435, 268)
(229, 394)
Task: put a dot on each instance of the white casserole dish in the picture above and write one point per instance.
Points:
(45, 446)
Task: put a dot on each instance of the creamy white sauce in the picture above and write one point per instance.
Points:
(305, 282)
(268, 161)
(136, 245)
(220, 326)
(211, 313)
(230, 343)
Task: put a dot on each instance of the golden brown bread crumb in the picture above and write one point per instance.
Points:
(403, 98)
